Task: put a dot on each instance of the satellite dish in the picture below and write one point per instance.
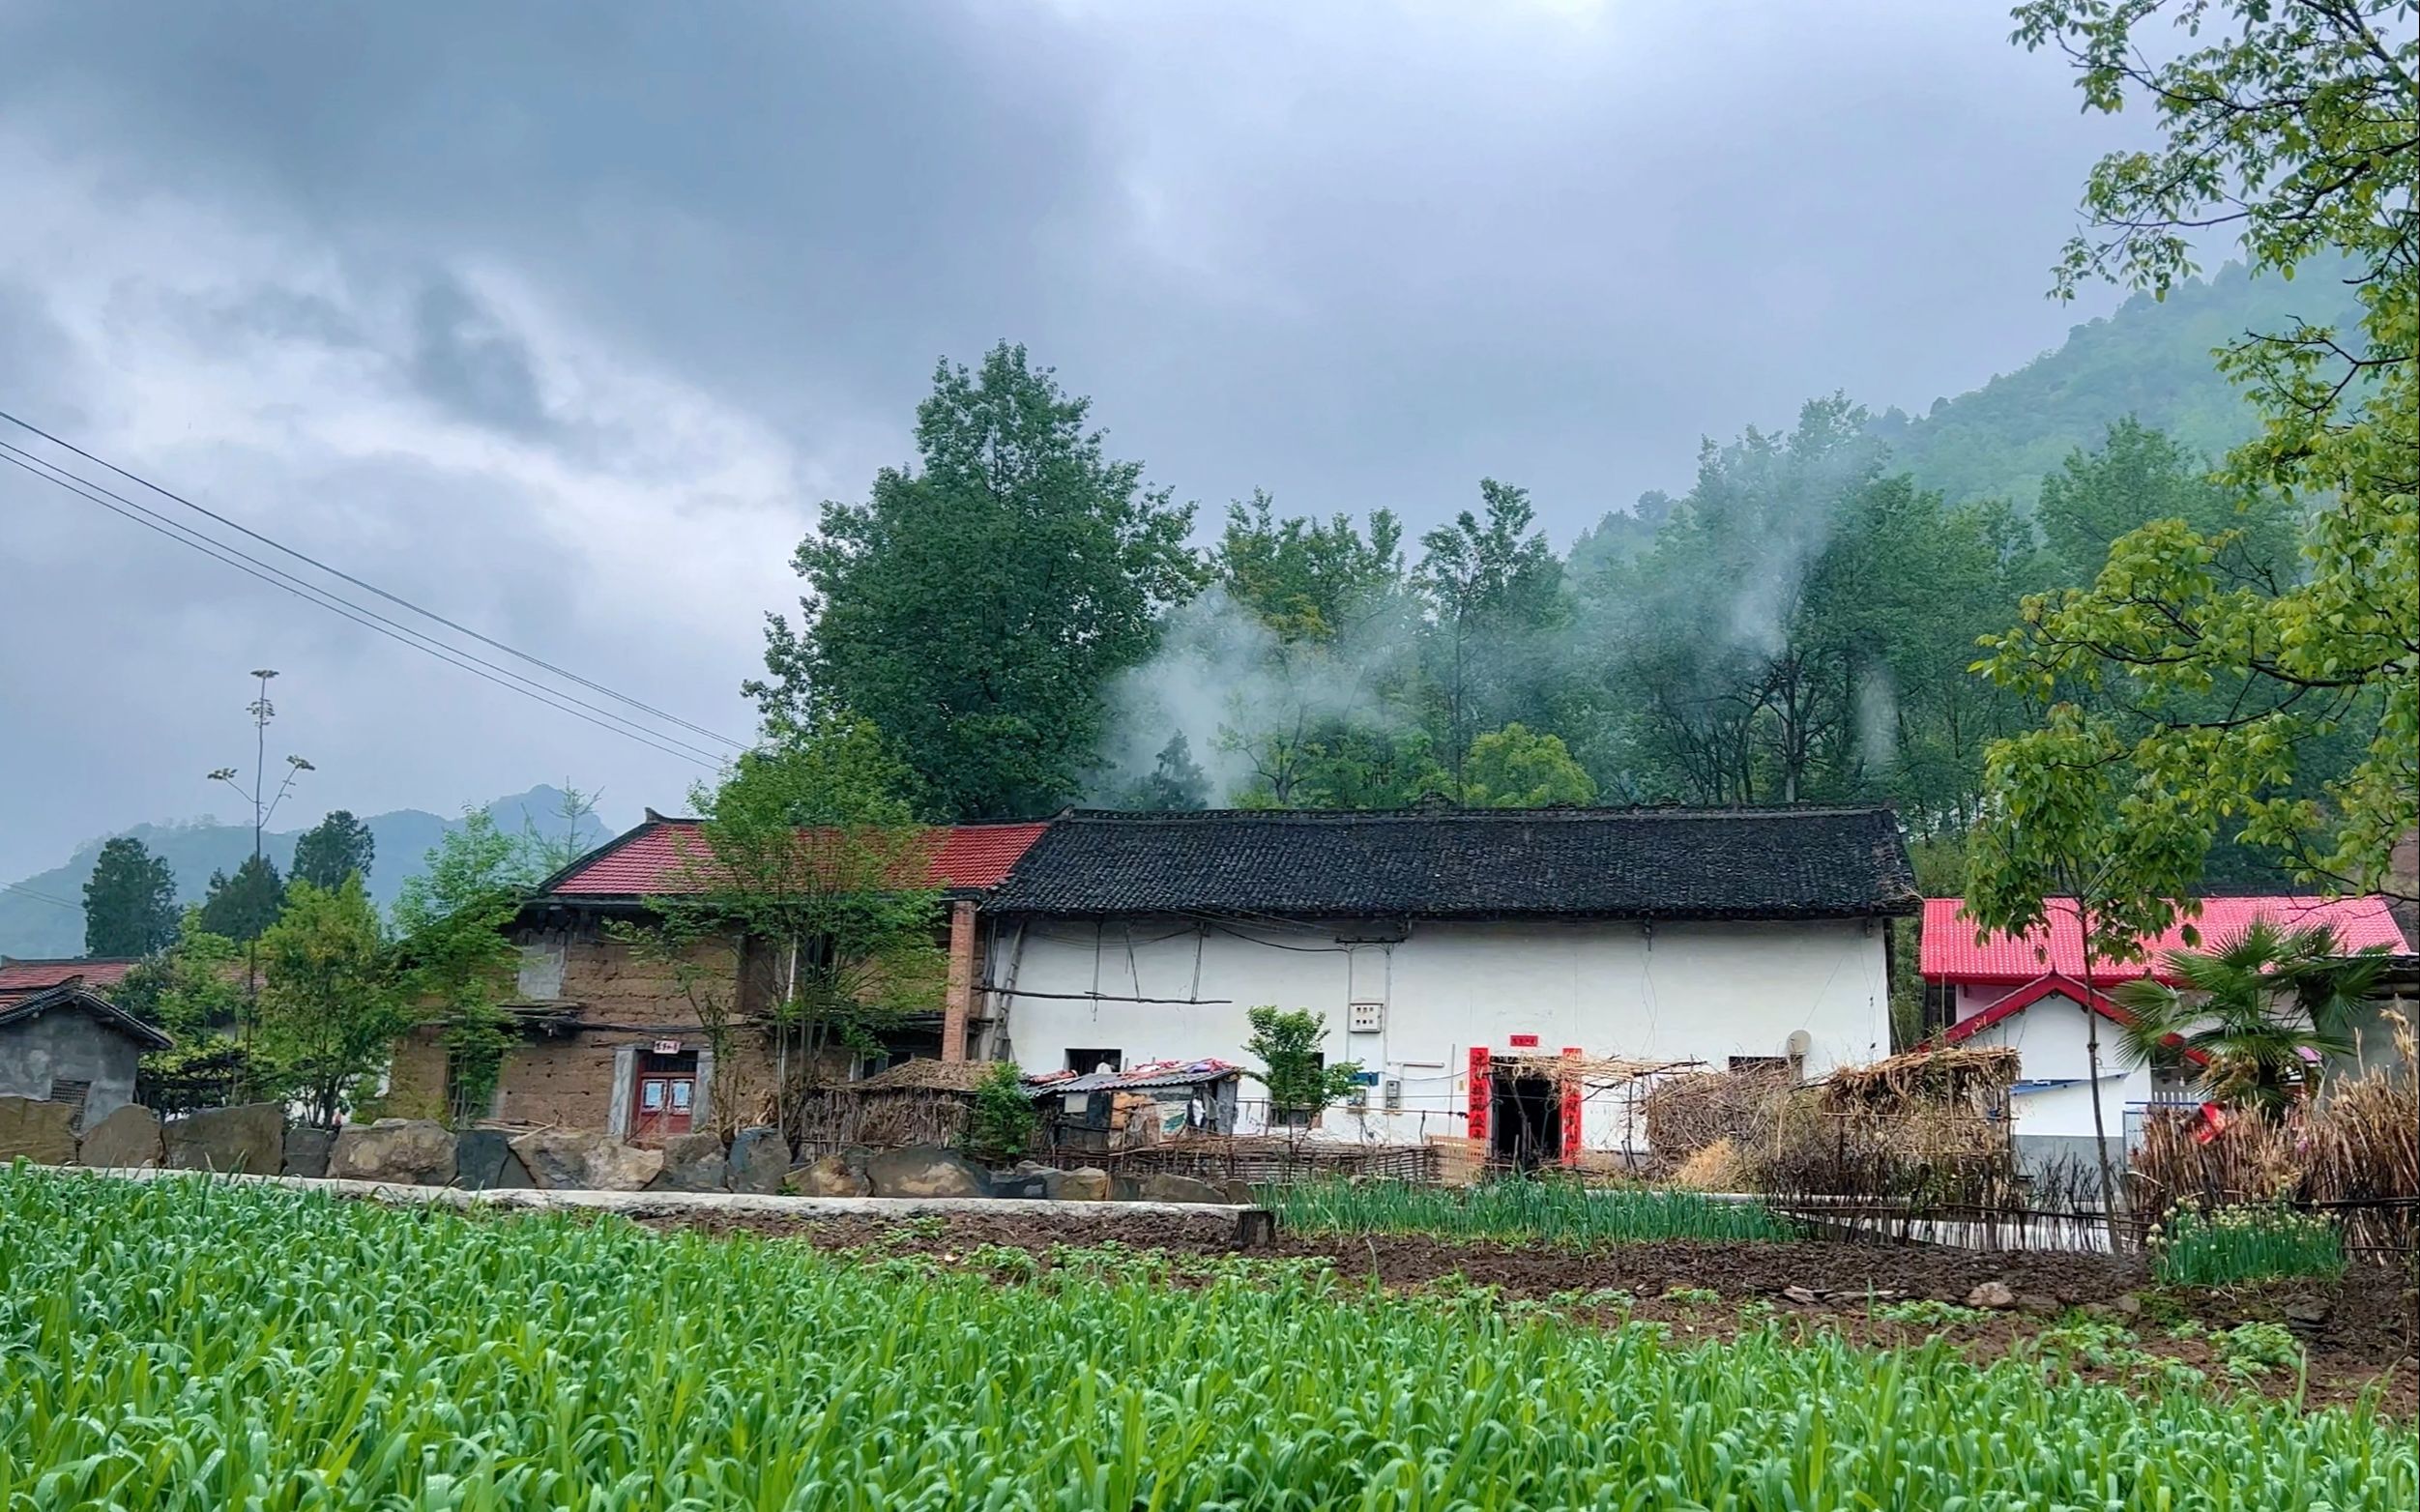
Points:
(1797, 1046)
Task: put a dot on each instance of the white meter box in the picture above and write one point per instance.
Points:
(1365, 1018)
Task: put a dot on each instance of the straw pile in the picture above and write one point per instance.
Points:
(1689, 1114)
(2358, 1144)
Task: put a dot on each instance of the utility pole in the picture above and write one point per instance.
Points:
(264, 805)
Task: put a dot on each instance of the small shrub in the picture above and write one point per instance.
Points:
(1000, 1125)
(2255, 1348)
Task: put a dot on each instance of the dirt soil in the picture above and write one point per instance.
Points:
(2361, 1332)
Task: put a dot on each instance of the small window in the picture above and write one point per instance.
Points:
(1752, 1063)
(73, 1094)
(651, 1096)
(681, 1093)
(1084, 1062)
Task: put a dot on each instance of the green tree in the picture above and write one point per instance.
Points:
(130, 901)
(999, 1124)
(808, 864)
(193, 989)
(454, 950)
(1517, 768)
(2293, 128)
(333, 850)
(2266, 1009)
(1299, 1080)
(1307, 579)
(1493, 589)
(241, 907)
(332, 1001)
(975, 606)
(1176, 782)
(2137, 475)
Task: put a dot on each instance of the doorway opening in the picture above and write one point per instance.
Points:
(1527, 1129)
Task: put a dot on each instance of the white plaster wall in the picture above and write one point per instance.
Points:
(1680, 991)
(2050, 1045)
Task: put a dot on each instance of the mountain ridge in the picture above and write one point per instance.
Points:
(33, 927)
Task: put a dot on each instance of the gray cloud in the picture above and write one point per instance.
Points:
(566, 314)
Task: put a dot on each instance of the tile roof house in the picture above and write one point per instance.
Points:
(19, 978)
(1455, 954)
(67, 1043)
(615, 1041)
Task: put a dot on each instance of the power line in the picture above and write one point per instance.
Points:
(326, 598)
(343, 609)
(41, 897)
(373, 587)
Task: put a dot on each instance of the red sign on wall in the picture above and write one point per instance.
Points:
(1482, 1085)
(1525, 1041)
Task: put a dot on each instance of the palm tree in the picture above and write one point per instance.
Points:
(2267, 1009)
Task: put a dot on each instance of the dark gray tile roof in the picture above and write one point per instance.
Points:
(1471, 863)
(73, 995)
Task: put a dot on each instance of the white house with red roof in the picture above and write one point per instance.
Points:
(2029, 994)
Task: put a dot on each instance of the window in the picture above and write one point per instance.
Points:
(1739, 1063)
(1084, 1062)
(73, 1094)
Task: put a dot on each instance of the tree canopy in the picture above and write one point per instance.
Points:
(974, 605)
(335, 848)
(2195, 690)
(131, 902)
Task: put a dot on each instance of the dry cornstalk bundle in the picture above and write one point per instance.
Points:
(1687, 1114)
(2354, 1152)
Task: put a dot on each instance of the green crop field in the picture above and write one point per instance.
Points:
(1557, 1212)
(183, 1343)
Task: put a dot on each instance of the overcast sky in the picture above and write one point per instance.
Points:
(560, 318)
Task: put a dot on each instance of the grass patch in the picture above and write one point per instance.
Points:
(2238, 1244)
(1560, 1212)
(186, 1345)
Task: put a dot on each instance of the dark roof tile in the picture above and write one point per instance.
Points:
(1471, 863)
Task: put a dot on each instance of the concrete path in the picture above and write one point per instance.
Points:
(1252, 1226)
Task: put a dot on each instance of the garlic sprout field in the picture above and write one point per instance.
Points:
(191, 1345)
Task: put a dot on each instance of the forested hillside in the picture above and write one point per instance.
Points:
(2150, 360)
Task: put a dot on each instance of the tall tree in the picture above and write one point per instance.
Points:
(333, 850)
(331, 1000)
(243, 906)
(1306, 578)
(976, 604)
(130, 901)
(2290, 124)
(1493, 588)
(1176, 782)
(457, 960)
(1517, 768)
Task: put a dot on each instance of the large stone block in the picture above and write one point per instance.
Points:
(693, 1163)
(1082, 1184)
(586, 1159)
(410, 1151)
(1165, 1187)
(926, 1171)
(831, 1175)
(249, 1138)
(306, 1151)
(129, 1139)
(42, 1132)
(483, 1161)
(759, 1160)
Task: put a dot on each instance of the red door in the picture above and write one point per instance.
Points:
(664, 1099)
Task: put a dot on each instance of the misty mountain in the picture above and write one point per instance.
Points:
(2150, 360)
(33, 922)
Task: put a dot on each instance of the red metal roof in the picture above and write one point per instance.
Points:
(653, 857)
(1948, 953)
(19, 978)
(2052, 985)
